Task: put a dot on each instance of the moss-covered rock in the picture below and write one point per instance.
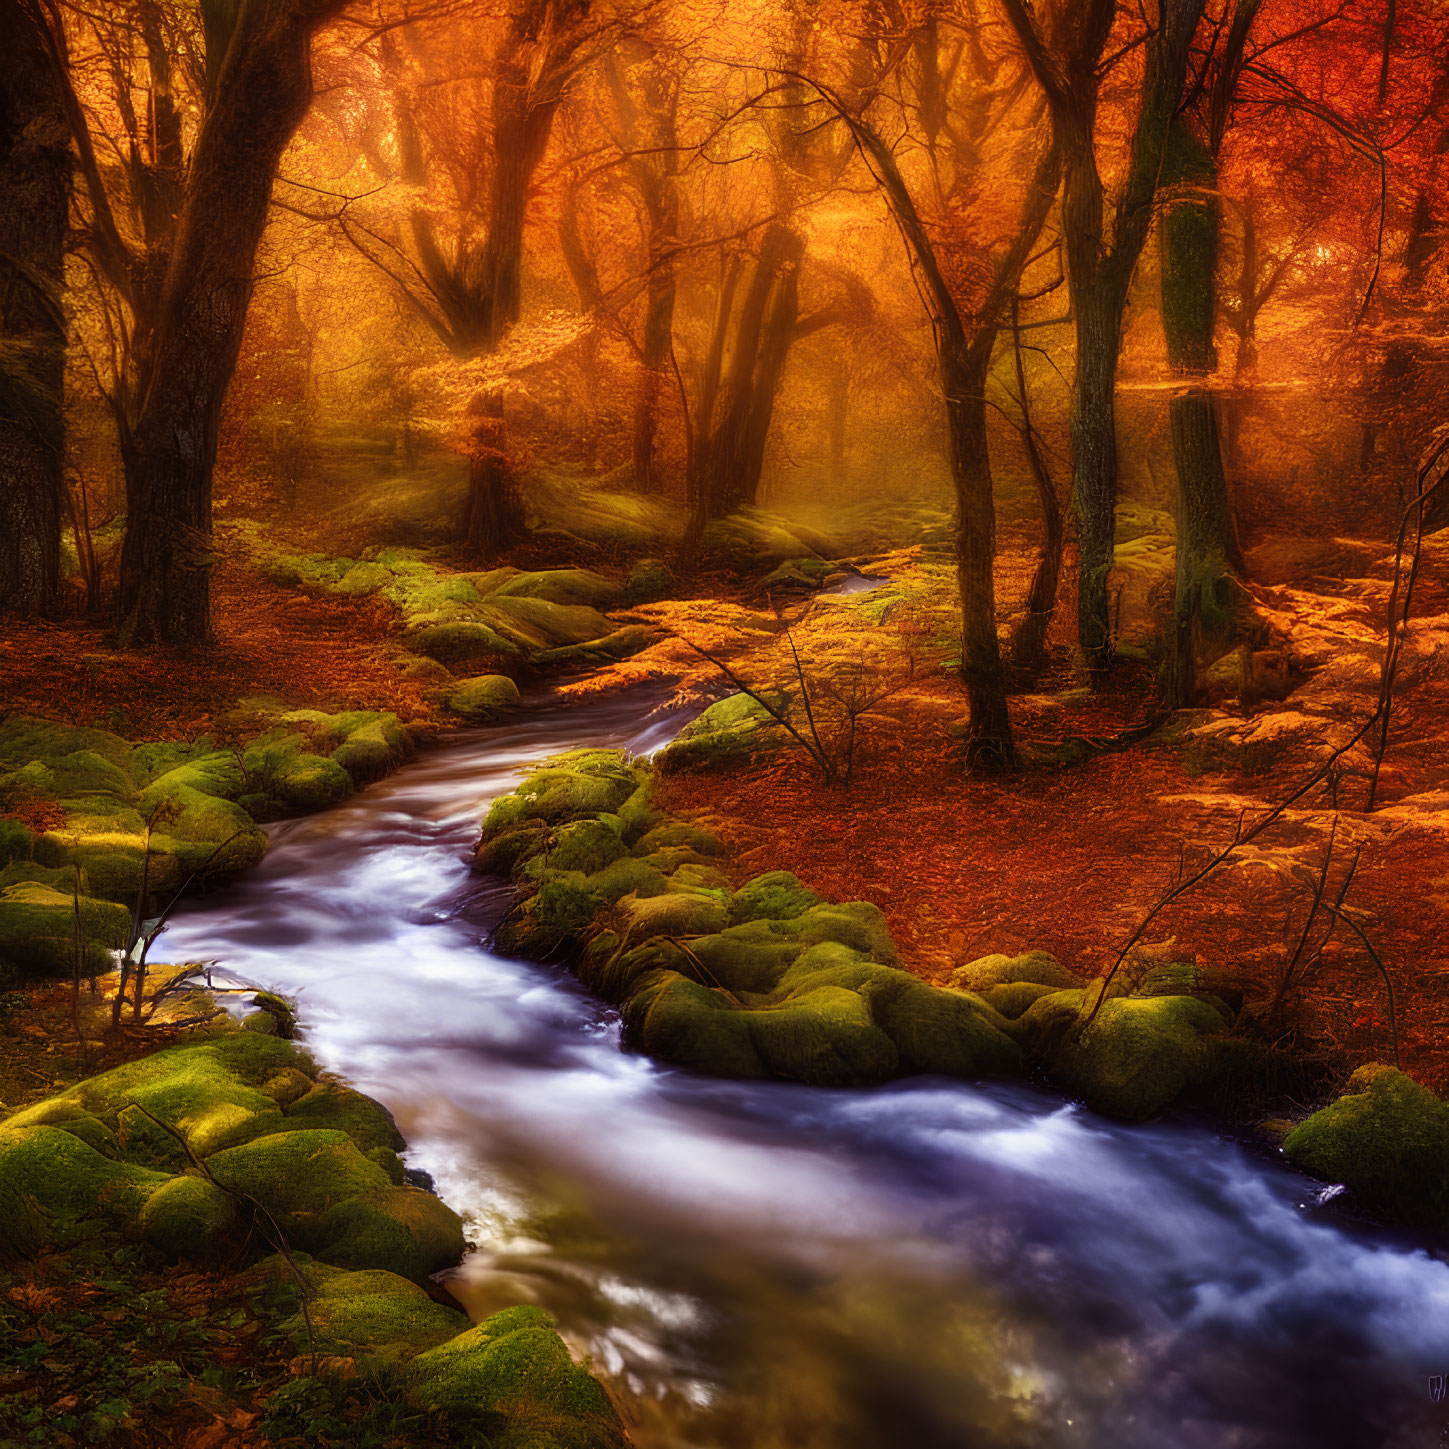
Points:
(211, 1094)
(367, 1313)
(464, 644)
(1386, 1139)
(372, 748)
(676, 913)
(1037, 967)
(51, 1182)
(284, 762)
(330, 1200)
(776, 895)
(38, 929)
(648, 580)
(563, 586)
(336, 1105)
(1139, 1054)
(731, 731)
(187, 1216)
(515, 1365)
(484, 698)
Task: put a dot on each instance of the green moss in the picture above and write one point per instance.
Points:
(559, 914)
(677, 913)
(564, 586)
(365, 1120)
(209, 1093)
(1012, 998)
(538, 623)
(283, 761)
(37, 929)
(51, 1181)
(626, 877)
(515, 1365)
(366, 1313)
(402, 1229)
(730, 731)
(681, 834)
(188, 1217)
(776, 895)
(214, 772)
(618, 644)
(363, 578)
(1036, 967)
(465, 643)
(281, 1010)
(510, 846)
(373, 748)
(680, 1021)
(1140, 1053)
(648, 580)
(857, 924)
(1387, 1140)
(484, 697)
(586, 845)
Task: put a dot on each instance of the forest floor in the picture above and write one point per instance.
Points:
(1066, 857)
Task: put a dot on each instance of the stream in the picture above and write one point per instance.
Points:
(757, 1265)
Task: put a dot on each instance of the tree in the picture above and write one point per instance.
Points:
(35, 174)
(469, 119)
(1066, 56)
(180, 272)
(966, 286)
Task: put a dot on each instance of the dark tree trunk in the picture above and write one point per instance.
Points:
(1209, 563)
(1094, 464)
(1028, 642)
(494, 520)
(654, 355)
(990, 745)
(35, 169)
(263, 88)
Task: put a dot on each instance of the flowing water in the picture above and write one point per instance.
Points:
(765, 1266)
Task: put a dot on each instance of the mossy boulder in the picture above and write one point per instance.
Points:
(1139, 1054)
(372, 748)
(731, 731)
(484, 698)
(38, 929)
(567, 787)
(1386, 1139)
(336, 1105)
(52, 1182)
(1036, 967)
(563, 586)
(463, 644)
(648, 580)
(515, 1365)
(586, 845)
(366, 1313)
(776, 895)
(675, 913)
(329, 1199)
(188, 1216)
(212, 1094)
(283, 761)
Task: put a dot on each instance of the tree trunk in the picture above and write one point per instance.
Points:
(1209, 562)
(494, 520)
(761, 342)
(263, 88)
(1028, 642)
(990, 745)
(658, 333)
(35, 169)
(1094, 458)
